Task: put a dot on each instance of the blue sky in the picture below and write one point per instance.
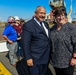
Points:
(25, 8)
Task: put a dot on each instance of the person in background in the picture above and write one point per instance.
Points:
(22, 22)
(10, 35)
(18, 28)
(36, 43)
(74, 22)
(63, 44)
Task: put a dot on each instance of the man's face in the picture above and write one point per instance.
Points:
(61, 18)
(40, 14)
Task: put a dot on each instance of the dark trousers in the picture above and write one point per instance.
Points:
(19, 51)
(38, 69)
(64, 71)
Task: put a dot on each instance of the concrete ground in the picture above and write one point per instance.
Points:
(4, 59)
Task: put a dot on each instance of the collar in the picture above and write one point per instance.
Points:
(38, 21)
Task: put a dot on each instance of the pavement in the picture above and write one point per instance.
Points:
(4, 59)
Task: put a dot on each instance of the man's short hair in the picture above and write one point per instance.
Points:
(38, 8)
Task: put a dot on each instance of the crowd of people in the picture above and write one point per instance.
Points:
(40, 45)
(12, 34)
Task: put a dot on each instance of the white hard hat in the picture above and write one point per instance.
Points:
(16, 18)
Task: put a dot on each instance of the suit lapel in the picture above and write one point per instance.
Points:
(38, 26)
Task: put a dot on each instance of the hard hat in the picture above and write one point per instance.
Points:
(16, 18)
(11, 19)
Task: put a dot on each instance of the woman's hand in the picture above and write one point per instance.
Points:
(73, 62)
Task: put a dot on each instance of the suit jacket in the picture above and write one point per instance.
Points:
(35, 42)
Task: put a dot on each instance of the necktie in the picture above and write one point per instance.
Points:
(41, 25)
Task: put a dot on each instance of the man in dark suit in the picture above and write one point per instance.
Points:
(35, 42)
